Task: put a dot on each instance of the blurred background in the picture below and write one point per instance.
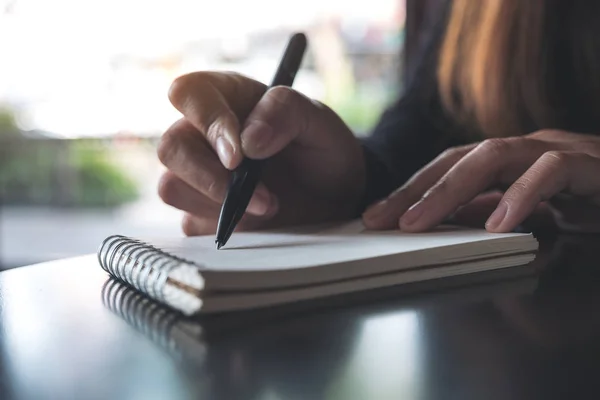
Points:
(83, 99)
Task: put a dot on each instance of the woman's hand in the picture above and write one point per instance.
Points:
(315, 167)
(549, 172)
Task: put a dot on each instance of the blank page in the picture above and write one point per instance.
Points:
(265, 251)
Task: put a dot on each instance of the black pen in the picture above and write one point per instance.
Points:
(246, 176)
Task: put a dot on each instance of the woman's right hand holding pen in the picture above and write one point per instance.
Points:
(314, 170)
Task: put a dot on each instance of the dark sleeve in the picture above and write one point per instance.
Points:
(413, 130)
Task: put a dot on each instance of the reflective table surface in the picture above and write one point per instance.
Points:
(69, 332)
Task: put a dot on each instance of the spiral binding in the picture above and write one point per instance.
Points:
(156, 322)
(138, 264)
(144, 314)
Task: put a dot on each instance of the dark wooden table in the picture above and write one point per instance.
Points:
(69, 333)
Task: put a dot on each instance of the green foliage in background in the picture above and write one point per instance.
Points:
(25, 173)
(361, 107)
(8, 124)
(57, 172)
(99, 181)
(360, 113)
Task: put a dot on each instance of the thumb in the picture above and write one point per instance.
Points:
(281, 116)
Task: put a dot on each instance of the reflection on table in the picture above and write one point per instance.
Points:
(78, 334)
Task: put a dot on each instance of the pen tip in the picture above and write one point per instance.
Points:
(219, 245)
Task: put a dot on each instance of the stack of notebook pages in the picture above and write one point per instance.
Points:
(262, 269)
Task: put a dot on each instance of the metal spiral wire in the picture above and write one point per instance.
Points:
(138, 264)
(180, 338)
(144, 314)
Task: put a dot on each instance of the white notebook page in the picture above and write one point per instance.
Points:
(267, 251)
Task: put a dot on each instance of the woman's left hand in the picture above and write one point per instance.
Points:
(551, 172)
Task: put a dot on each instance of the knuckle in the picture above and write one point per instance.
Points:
(176, 88)
(192, 225)
(283, 95)
(208, 182)
(179, 88)
(168, 146)
(523, 141)
(540, 133)
(519, 187)
(555, 158)
(213, 125)
(283, 100)
(213, 188)
(442, 187)
(553, 165)
(220, 122)
(238, 83)
(183, 85)
(167, 188)
(546, 134)
(494, 147)
(454, 152)
(284, 108)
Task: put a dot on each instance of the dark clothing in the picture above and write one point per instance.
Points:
(415, 129)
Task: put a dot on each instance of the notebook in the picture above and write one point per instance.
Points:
(266, 268)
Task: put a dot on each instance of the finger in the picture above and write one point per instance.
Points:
(177, 193)
(385, 214)
(282, 116)
(195, 172)
(187, 155)
(575, 173)
(215, 103)
(477, 212)
(192, 225)
(492, 162)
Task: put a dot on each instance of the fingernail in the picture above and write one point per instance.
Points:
(256, 137)
(412, 214)
(225, 151)
(260, 203)
(497, 216)
(376, 210)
